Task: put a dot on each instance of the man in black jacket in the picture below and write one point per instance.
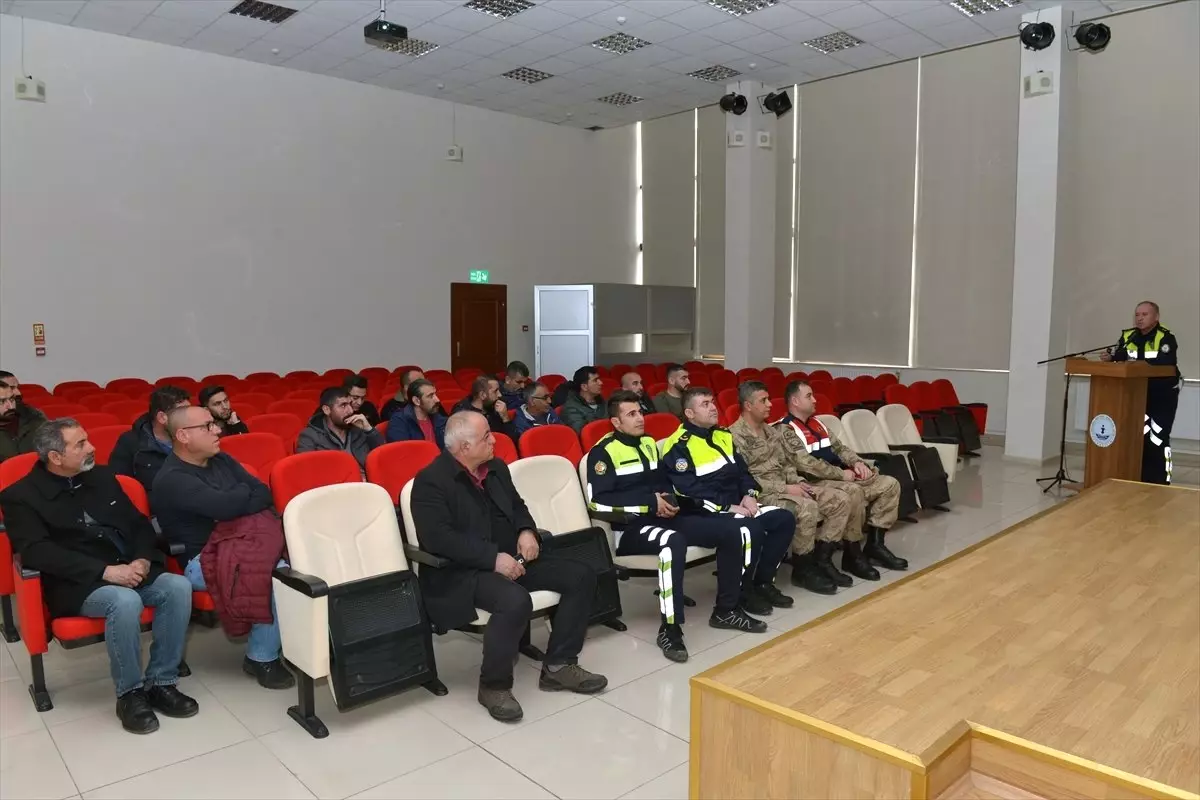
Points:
(356, 387)
(485, 399)
(466, 509)
(18, 422)
(337, 426)
(216, 400)
(142, 450)
(72, 521)
(398, 402)
(197, 487)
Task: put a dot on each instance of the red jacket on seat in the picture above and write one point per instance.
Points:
(237, 564)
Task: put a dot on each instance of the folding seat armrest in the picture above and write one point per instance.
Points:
(906, 448)
(20, 569)
(876, 456)
(418, 555)
(543, 535)
(940, 440)
(307, 585)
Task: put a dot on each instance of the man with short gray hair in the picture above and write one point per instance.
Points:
(467, 510)
(71, 520)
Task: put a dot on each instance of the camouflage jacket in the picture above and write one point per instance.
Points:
(766, 457)
(809, 465)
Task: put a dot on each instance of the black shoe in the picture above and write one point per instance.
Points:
(135, 713)
(823, 556)
(854, 562)
(878, 554)
(736, 620)
(270, 674)
(755, 603)
(172, 702)
(809, 577)
(670, 641)
(770, 592)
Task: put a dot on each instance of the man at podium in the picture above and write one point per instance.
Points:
(1151, 342)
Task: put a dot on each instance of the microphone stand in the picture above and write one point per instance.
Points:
(1061, 477)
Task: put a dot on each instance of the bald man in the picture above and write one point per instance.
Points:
(632, 382)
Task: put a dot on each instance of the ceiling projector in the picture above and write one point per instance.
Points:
(382, 33)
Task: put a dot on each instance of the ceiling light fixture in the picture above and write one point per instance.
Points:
(619, 43)
(739, 8)
(973, 8)
(832, 42)
(718, 73)
(527, 75)
(734, 104)
(500, 9)
(411, 47)
(620, 99)
(1036, 35)
(267, 12)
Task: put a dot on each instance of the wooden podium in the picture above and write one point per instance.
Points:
(1118, 391)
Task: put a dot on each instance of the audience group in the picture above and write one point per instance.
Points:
(753, 492)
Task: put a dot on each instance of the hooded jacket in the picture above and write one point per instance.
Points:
(359, 443)
(138, 453)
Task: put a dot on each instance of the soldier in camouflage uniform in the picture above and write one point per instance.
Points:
(812, 547)
(823, 458)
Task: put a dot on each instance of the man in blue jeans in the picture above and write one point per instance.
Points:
(72, 521)
(197, 487)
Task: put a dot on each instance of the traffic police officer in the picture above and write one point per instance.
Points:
(627, 487)
(817, 453)
(1149, 341)
(710, 477)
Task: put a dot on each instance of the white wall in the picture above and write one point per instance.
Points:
(172, 211)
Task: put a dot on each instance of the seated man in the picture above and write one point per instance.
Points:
(18, 422)
(516, 378)
(485, 399)
(401, 399)
(141, 451)
(771, 466)
(420, 418)
(536, 410)
(670, 399)
(198, 487)
(337, 426)
(632, 382)
(216, 400)
(356, 387)
(467, 510)
(584, 403)
(626, 486)
(710, 477)
(817, 453)
(72, 521)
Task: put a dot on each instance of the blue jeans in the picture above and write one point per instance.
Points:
(264, 643)
(171, 598)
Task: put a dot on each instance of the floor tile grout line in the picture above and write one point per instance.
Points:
(165, 766)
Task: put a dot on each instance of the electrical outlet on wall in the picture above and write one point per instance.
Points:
(454, 153)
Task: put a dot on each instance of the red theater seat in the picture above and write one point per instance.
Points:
(593, 432)
(661, 425)
(96, 419)
(127, 411)
(104, 439)
(551, 440)
(393, 465)
(506, 451)
(286, 426)
(299, 473)
(258, 450)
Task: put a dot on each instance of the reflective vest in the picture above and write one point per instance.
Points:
(705, 468)
(816, 439)
(1150, 348)
(623, 477)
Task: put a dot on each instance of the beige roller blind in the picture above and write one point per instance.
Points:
(710, 245)
(784, 210)
(966, 215)
(855, 226)
(668, 148)
(1134, 192)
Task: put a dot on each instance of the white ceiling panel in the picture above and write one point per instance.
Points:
(555, 36)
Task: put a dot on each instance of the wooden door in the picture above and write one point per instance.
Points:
(478, 326)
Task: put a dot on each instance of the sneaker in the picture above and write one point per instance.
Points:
(135, 713)
(770, 592)
(172, 702)
(736, 620)
(755, 603)
(270, 674)
(670, 641)
(501, 704)
(571, 678)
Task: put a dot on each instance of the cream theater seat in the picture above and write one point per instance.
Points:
(922, 464)
(899, 429)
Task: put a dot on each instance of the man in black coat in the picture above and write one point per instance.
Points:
(466, 509)
(72, 521)
(143, 449)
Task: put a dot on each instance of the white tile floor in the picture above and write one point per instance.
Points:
(629, 742)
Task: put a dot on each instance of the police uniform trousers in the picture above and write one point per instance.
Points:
(874, 502)
(1156, 447)
(738, 543)
(829, 504)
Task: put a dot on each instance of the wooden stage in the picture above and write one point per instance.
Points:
(1059, 658)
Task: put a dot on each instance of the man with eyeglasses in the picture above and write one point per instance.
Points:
(536, 411)
(338, 426)
(198, 487)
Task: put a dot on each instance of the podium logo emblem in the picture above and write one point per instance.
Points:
(1102, 430)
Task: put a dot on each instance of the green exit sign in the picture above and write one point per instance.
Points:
(480, 276)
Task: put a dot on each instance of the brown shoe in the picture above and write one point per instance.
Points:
(572, 678)
(501, 704)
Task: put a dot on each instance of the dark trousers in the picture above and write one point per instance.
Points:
(736, 543)
(777, 526)
(1156, 446)
(510, 606)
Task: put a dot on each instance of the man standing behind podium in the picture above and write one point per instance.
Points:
(1149, 341)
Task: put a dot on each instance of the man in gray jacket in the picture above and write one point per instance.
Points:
(338, 427)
